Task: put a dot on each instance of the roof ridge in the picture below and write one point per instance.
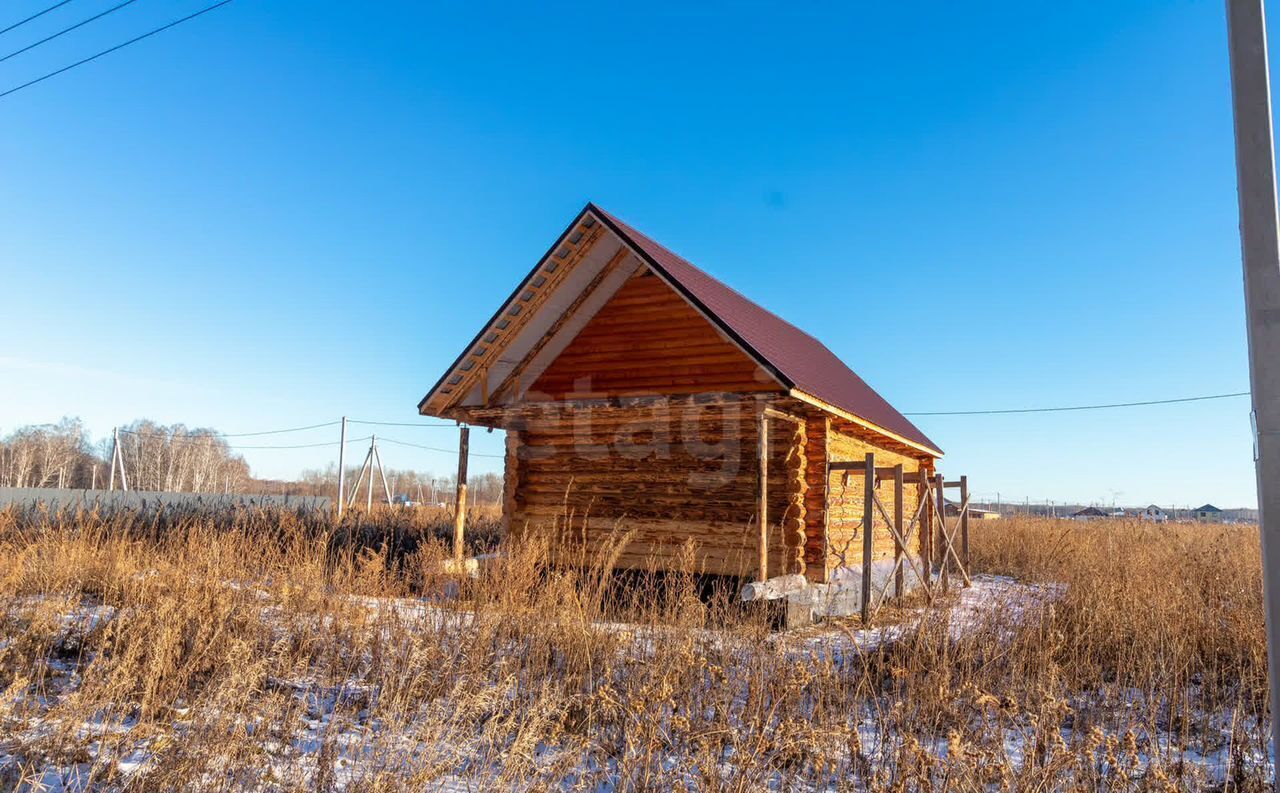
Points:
(797, 358)
(633, 230)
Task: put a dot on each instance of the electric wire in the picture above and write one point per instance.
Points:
(204, 438)
(67, 30)
(400, 424)
(434, 449)
(36, 15)
(253, 434)
(306, 445)
(1078, 407)
(110, 50)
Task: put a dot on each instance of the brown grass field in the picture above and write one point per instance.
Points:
(267, 651)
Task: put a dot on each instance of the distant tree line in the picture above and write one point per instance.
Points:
(48, 455)
(418, 486)
(176, 458)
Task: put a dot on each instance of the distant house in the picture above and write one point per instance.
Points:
(975, 513)
(1154, 514)
(1208, 513)
(1090, 513)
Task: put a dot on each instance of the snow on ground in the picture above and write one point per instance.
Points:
(336, 721)
(966, 609)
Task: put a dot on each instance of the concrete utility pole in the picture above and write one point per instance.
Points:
(1260, 249)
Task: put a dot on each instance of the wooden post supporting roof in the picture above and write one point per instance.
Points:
(460, 497)
(868, 523)
(762, 509)
(898, 526)
(964, 522)
(941, 485)
(926, 530)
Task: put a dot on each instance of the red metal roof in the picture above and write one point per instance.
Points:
(798, 359)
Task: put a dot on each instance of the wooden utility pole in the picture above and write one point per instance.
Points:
(460, 498)
(342, 467)
(1260, 250)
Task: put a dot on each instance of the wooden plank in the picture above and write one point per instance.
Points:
(762, 508)
(868, 526)
(778, 414)
(940, 485)
(528, 308)
(964, 523)
(884, 471)
(926, 531)
(826, 499)
(898, 550)
(513, 377)
(460, 497)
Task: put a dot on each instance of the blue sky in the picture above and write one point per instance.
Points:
(282, 212)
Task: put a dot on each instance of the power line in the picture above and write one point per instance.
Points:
(402, 424)
(250, 434)
(434, 449)
(67, 30)
(305, 445)
(1079, 407)
(34, 16)
(199, 439)
(110, 50)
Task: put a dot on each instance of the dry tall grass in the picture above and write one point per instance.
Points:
(269, 651)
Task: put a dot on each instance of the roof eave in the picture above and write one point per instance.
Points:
(497, 314)
(844, 414)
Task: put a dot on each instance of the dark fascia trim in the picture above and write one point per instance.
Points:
(639, 250)
(510, 298)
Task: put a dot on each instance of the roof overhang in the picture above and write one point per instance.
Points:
(847, 416)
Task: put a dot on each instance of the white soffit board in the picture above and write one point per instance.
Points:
(562, 296)
(567, 332)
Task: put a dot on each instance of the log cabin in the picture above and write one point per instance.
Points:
(654, 413)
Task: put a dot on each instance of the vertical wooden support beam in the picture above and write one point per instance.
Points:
(868, 523)
(898, 527)
(941, 529)
(925, 530)
(762, 478)
(964, 525)
(460, 497)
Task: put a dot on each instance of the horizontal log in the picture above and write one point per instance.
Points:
(774, 588)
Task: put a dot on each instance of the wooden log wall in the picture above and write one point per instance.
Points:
(510, 479)
(663, 475)
(647, 340)
(815, 546)
(846, 442)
